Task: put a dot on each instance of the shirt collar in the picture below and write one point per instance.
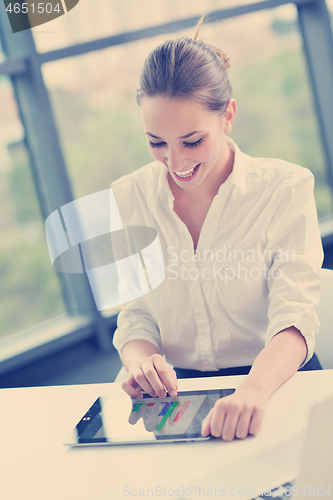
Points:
(237, 176)
(163, 183)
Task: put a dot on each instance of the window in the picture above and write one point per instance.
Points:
(30, 291)
(94, 101)
(276, 116)
(93, 20)
(97, 115)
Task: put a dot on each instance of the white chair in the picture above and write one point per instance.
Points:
(324, 340)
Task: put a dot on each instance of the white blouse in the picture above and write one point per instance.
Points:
(255, 272)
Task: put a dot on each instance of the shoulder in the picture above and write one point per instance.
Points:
(280, 168)
(278, 174)
(268, 174)
(288, 191)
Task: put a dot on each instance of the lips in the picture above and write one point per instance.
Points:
(186, 174)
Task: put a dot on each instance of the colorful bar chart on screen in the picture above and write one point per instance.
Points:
(166, 406)
(173, 416)
(182, 411)
(167, 414)
(137, 406)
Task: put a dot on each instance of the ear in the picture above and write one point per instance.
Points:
(229, 115)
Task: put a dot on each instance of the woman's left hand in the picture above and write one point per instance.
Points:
(236, 415)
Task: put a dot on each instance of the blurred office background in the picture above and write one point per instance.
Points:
(70, 125)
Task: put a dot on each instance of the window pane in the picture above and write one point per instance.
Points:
(271, 86)
(2, 55)
(91, 20)
(30, 291)
(94, 101)
(94, 98)
(330, 9)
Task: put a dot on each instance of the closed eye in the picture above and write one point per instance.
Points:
(186, 144)
(193, 144)
(156, 144)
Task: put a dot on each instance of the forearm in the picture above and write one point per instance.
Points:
(135, 351)
(277, 362)
(241, 413)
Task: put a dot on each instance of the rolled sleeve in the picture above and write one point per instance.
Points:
(135, 322)
(293, 278)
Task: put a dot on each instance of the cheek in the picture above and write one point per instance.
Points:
(205, 152)
(156, 154)
(214, 150)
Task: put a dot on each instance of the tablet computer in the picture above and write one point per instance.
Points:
(116, 421)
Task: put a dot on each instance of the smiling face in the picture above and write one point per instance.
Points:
(189, 140)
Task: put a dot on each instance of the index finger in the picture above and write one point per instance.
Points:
(167, 376)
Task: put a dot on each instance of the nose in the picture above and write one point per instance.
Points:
(175, 160)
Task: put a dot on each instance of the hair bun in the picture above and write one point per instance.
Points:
(224, 58)
(186, 68)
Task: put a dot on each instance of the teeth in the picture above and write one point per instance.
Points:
(187, 173)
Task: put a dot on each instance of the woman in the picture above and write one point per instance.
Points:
(240, 239)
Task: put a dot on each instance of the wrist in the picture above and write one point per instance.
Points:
(136, 351)
(255, 386)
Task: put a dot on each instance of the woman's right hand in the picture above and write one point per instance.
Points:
(152, 375)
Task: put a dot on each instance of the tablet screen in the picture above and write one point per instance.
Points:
(146, 420)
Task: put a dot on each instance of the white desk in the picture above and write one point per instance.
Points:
(35, 465)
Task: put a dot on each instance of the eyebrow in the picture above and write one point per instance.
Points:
(186, 136)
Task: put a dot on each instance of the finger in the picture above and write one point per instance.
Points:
(135, 415)
(217, 421)
(231, 420)
(167, 375)
(174, 376)
(129, 387)
(152, 380)
(242, 429)
(205, 426)
(256, 421)
(136, 383)
(141, 378)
